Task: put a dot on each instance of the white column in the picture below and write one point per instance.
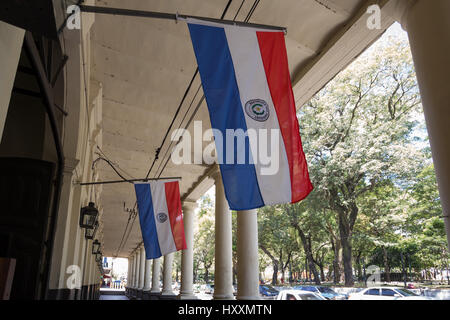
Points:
(133, 263)
(135, 270)
(148, 274)
(167, 275)
(187, 256)
(138, 269)
(130, 268)
(223, 267)
(141, 268)
(427, 23)
(247, 255)
(155, 276)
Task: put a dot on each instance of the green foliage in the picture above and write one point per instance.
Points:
(375, 191)
(204, 239)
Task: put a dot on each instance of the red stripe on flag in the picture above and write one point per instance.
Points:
(175, 214)
(274, 57)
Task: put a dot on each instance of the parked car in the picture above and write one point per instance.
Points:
(385, 293)
(267, 291)
(298, 295)
(325, 292)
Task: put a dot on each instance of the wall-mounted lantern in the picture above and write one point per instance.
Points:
(98, 257)
(90, 233)
(95, 246)
(88, 216)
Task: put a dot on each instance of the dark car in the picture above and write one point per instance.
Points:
(268, 291)
(325, 292)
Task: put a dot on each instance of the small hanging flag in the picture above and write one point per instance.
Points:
(160, 217)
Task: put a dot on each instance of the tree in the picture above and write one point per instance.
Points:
(383, 211)
(275, 239)
(356, 132)
(310, 221)
(204, 238)
(204, 246)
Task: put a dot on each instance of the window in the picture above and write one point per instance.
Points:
(308, 288)
(290, 297)
(406, 292)
(388, 292)
(372, 292)
(326, 290)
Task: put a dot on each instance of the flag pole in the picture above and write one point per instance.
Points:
(172, 16)
(128, 180)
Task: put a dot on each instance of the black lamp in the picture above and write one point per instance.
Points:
(90, 233)
(95, 246)
(88, 216)
(98, 257)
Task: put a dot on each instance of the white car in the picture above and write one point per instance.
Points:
(414, 298)
(298, 295)
(384, 293)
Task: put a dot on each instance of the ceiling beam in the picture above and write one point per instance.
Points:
(344, 47)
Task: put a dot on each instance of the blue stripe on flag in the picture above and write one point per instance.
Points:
(147, 220)
(225, 111)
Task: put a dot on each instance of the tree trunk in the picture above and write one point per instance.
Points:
(336, 246)
(322, 273)
(306, 241)
(347, 214)
(284, 266)
(206, 275)
(358, 264)
(234, 270)
(275, 273)
(291, 277)
(387, 271)
(330, 270)
(275, 264)
(347, 259)
(346, 242)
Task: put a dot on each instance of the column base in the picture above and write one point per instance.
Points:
(167, 296)
(146, 295)
(154, 295)
(187, 296)
(248, 298)
(133, 293)
(139, 293)
(223, 297)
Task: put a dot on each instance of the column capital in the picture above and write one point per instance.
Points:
(189, 205)
(399, 9)
(70, 164)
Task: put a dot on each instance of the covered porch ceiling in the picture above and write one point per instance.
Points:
(145, 66)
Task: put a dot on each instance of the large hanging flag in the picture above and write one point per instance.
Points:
(245, 77)
(160, 217)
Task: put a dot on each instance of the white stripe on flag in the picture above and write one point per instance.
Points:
(252, 83)
(163, 229)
